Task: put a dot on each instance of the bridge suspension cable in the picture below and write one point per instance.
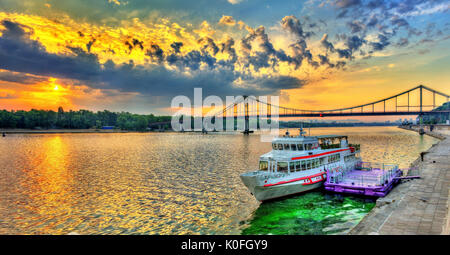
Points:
(346, 111)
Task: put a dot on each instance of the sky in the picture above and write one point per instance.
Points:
(136, 55)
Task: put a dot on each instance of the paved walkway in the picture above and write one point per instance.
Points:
(419, 206)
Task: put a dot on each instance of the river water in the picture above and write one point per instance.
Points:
(170, 183)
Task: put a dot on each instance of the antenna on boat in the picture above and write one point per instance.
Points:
(309, 132)
(301, 133)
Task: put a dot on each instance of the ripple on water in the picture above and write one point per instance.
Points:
(168, 183)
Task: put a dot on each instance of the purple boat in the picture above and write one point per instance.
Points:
(366, 178)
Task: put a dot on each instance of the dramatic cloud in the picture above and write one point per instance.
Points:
(383, 41)
(21, 54)
(399, 22)
(176, 46)
(21, 78)
(354, 43)
(169, 49)
(402, 42)
(208, 46)
(156, 53)
(325, 43)
(293, 25)
(356, 26)
(347, 3)
(234, 1)
(227, 20)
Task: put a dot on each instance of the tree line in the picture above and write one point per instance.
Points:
(82, 119)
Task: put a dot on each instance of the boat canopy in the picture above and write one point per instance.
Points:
(323, 137)
(329, 141)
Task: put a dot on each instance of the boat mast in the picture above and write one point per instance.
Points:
(309, 132)
(301, 130)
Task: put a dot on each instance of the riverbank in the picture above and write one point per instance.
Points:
(419, 206)
(439, 131)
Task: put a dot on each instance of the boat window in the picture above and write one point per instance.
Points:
(322, 161)
(334, 158)
(304, 165)
(263, 165)
(291, 166)
(280, 146)
(297, 166)
(293, 147)
(349, 157)
(300, 147)
(331, 159)
(308, 164)
(316, 163)
(274, 146)
(308, 146)
(282, 166)
(286, 146)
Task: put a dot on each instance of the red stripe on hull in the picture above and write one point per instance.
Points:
(311, 182)
(296, 179)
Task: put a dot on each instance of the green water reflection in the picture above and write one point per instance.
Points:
(314, 213)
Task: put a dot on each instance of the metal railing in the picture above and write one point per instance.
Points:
(362, 174)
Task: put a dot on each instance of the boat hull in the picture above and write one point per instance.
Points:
(263, 193)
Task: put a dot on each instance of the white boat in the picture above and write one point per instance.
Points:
(298, 164)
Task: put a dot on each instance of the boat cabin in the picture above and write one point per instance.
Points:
(295, 144)
(293, 154)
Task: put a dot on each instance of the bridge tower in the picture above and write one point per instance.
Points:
(247, 118)
(235, 114)
(421, 130)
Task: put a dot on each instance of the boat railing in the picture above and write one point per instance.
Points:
(364, 174)
(356, 146)
(329, 146)
(336, 146)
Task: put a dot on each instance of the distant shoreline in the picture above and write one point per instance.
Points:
(71, 131)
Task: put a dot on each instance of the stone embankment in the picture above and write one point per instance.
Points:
(419, 206)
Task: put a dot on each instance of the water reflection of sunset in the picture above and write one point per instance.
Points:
(49, 183)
